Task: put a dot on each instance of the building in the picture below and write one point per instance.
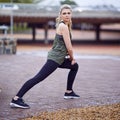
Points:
(43, 14)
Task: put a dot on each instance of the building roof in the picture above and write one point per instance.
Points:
(88, 5)
(41, 12)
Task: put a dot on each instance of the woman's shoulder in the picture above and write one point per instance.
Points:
(63, 26)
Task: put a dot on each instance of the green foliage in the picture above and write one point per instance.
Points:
(4, 0)
(70, 2)
(20, 28)
(18, 1)
(23, 1)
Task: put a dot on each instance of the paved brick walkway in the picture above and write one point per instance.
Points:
(97, 82)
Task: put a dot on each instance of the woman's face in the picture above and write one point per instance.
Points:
(66, 15)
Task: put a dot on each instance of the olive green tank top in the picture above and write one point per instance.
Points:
(58, 51)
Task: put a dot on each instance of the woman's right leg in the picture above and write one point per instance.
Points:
(46, 70)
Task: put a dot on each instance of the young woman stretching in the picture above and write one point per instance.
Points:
(60, 56)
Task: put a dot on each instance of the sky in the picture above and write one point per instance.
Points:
(98, 2)
(83, 3)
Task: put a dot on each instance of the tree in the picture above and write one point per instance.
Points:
(70, 2)
(17, 1)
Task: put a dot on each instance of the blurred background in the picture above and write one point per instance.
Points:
(27, 30)
(32, 23)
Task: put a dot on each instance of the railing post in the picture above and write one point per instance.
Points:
(97, 30)
(33, 33)
(46, 33)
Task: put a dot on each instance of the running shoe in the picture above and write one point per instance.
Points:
(19, 103)
(71, 95)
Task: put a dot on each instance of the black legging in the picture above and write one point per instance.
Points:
(46, 70)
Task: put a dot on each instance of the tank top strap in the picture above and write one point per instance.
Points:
(62, 22)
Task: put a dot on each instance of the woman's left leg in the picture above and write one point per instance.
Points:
(72, 74)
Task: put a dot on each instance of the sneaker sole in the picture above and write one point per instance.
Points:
(13, 105)
(70, 97)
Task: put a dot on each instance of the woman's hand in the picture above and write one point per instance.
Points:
(73, 62)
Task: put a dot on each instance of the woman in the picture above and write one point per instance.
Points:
(60, 56)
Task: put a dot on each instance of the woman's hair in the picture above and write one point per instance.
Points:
(58, 19)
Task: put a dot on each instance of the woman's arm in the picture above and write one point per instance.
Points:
(66, 36)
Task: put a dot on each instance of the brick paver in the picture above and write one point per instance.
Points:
(97, 82)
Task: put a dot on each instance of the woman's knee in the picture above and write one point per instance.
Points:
(75, 67)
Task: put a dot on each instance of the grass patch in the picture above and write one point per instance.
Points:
(105, 112)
